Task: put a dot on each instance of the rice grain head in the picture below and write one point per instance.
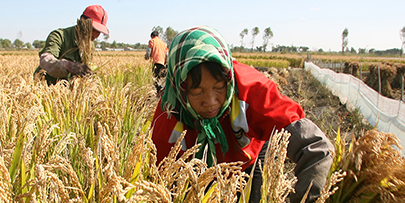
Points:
(5, 182)
(276, 183)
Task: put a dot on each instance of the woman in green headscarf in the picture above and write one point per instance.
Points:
(232, 109)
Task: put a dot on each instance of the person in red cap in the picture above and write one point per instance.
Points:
(60, 58)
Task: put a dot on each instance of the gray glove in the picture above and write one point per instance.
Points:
(78, 69)
(148, 52)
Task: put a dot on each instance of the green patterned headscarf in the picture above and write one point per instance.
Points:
(188, 49)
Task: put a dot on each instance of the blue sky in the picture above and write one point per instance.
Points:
(312, 23)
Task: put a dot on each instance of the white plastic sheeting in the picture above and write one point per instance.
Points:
(388, 114)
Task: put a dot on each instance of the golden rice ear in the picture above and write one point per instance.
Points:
(5, 182)
(326, 191)
(374, 168)
(276, 182)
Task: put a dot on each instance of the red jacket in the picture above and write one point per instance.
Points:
(258, 109)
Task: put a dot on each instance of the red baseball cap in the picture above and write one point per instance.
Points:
(99, 16)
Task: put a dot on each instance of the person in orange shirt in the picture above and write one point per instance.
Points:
(157, 52)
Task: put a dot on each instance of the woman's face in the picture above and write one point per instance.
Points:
(94, 34)
(208, 98)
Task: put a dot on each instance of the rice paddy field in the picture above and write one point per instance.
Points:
(88, 140)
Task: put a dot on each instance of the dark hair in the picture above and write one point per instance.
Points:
(83, 16)
(216, 70)
(154, 34)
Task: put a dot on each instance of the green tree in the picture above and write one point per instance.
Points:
(103, 45)
(28, 45)
(268, 34)
(255, 32)
(293, 49)
(18, 43)
(242, 35)
(353, 51)
(122, 45)
(38, 44)
(114, 45)
(345, 40)
(169, 35)
(362, 51)
(303, 49)
(402, 36)
(5, 43)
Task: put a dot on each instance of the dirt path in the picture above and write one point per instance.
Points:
(319, 104)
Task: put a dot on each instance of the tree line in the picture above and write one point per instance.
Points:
(268, 34)
(394, 51)
(168, 34)
(6, 43)
(39, 44)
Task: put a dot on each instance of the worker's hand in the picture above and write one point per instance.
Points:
(148, 52)
(78, 69)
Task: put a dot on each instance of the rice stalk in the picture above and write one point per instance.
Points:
(166, 164)
(245, 195)
(49, 186)
(62, 165)
(210, 192)
(375, 170)
(58, 121)
(276, 184)
(87, 156)
(55, 180)
(187, 180)
(113, 183)
(327, 190)
(16, 156)
(150, 192)
(84, 29)
(135, 162)
(5, 183)
(231, 181)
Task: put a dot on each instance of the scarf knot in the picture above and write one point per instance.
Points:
(209, 132)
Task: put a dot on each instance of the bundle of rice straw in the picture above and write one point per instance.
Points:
(84, 30)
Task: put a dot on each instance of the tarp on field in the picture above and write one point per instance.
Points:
(388, 114)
